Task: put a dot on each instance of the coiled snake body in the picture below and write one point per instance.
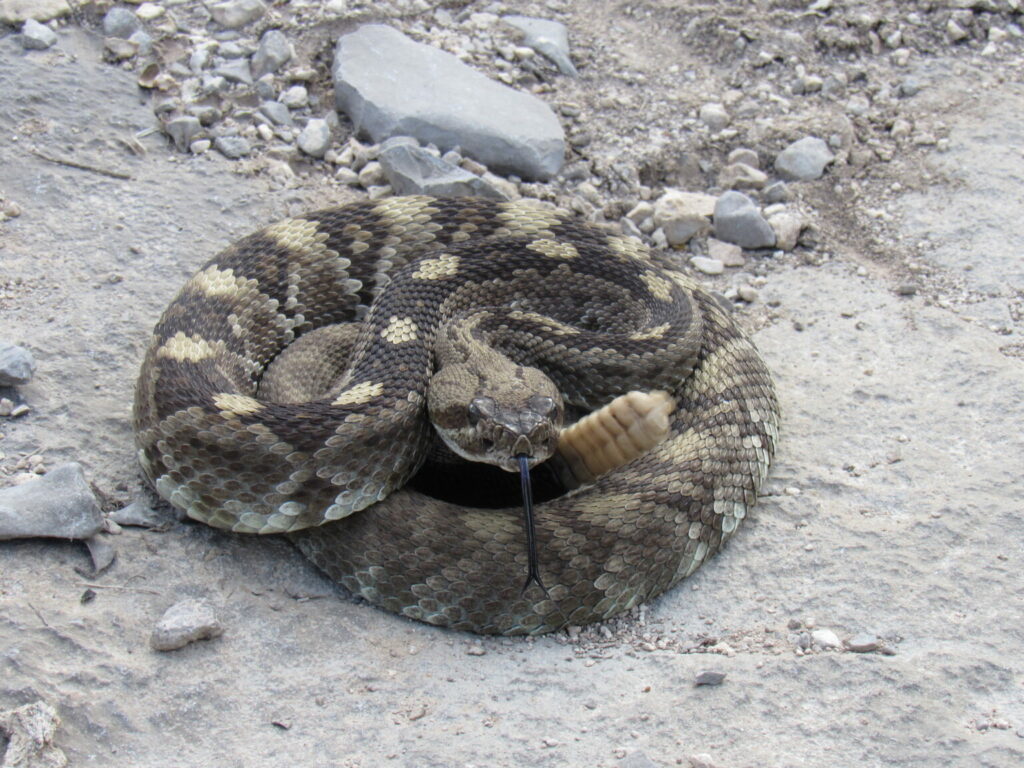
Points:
(470, 297)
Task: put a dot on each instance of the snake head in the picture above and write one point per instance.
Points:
(495, 419)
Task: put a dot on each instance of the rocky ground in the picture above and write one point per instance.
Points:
(868, 614)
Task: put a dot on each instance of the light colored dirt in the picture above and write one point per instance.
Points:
(893, 509)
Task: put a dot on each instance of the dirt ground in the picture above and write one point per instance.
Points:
(893, 509)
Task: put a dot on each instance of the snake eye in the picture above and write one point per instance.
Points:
(479, 408)
(543, 406)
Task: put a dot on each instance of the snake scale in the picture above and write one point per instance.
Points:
(440, 306)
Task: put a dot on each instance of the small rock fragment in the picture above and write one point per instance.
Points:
(232, 147)
(295, 97)
(101, 552)
(706, 265)
(237, 13)
(120, 22)
(29, 732)
(118, 49)
(862, 643)
(637, 760)
(141, 515)
(274, 52)
(714, 116)
(745, 156)
(729, 254)
(36, 36)
(235, 71)
(548, 38)
(16, 365)
(60, 505)
(413, 170)
(315, 137)
(777, 192)
(826, 639)
(183, 130)
(681, 215)
(738, 220)
(804, 160)
(184, 623)
(709, 677)
(742, 176)
(787, 228)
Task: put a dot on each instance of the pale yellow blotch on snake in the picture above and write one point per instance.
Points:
(430, 279)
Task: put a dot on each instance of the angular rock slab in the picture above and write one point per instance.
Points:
(549, 38)
(390, 85)
(59, 505)
(415, 171)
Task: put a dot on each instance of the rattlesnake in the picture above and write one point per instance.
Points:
(431, 280)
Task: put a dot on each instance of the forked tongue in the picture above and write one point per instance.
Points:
(533, 573)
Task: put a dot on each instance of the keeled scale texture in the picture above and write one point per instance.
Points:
(615, 321)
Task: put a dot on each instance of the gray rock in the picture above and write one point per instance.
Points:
(237, 13)
(548, 38)
(714, 116)
(745, 156)
(184, 623)
(392, 86)
(16, 365)
(412, 170)
(36, 36)
(707, 265)
(804, 160)
(232, 147)
(58, 505)
(101, 552)
(710, 677)
(738, 220)
(276, 112)
(265, 87)
(120, 22)
(143, 41)
(234, 71)
(183, 130)
(295, 97)
(273, 53)
(862, 643)
(909, 86)
(776, 192)
(141, 515)
(681, 215)
(315, 138)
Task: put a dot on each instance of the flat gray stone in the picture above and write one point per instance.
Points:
(184, 623)
(16, 365)
(273, 53)
(738, 220)
(862, 643)
(235, 71)
(276, 112)
(237, 13)
(390, 85)
(141, 515)
(36, 36)
(315, 138)
(804, 160)
(120, 22)
(58, 505)
(709, 677)
(637, 760)
(232, 147)
(548, 38)
(412, 170)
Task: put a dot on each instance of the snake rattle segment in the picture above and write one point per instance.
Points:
(306, 374)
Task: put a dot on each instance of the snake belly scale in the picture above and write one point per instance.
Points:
(597, 313)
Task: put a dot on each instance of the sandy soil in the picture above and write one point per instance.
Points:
(893, 509)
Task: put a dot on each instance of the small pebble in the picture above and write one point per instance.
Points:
(17, 365)
(315, 138)
(862, 643)
(184, 623)
(36, 36)
(804, 160)
(232, 147)
(714, 116)
(826, 639)
(295, 97)
(709, 678)
(707, 266)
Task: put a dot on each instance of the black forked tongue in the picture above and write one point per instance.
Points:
(533, 574)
